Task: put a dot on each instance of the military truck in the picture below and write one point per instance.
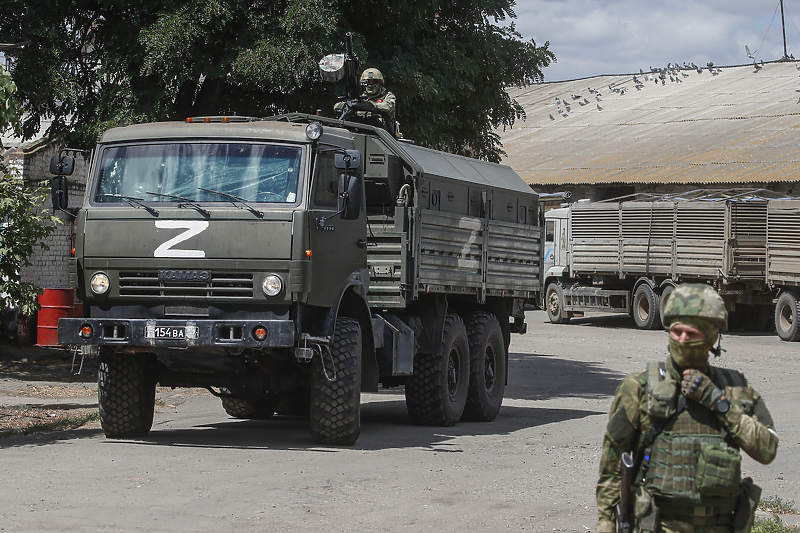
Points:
(628, 255)
(288, 264)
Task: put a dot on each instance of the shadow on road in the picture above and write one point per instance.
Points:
(384, 425)
(541, 377)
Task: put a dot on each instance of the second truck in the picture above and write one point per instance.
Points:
(627, 256)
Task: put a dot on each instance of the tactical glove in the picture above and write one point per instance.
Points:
(699, 387)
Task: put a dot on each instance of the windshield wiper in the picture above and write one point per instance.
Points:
(250, 208)
(184, 202)
(134, 202)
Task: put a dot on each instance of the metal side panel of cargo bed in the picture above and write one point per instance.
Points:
(783, 242)
(432, 251)
(595, 239)
(647, 237)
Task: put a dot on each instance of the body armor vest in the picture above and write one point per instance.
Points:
(692, 461)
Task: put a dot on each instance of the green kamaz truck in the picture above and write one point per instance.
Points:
(288, 264)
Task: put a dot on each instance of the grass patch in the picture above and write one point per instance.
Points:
(773, 525)
(26, 421)
(775, 505)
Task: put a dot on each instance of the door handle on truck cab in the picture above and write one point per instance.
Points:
(361, 243)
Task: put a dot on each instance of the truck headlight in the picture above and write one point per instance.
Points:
(314, 131)
(272, 285)
(100, 283)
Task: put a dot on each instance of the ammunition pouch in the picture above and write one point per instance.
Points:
(719, 471)
(645, 511)
(746, 504)
(662, 391)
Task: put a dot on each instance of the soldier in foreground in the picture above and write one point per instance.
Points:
(671, 459)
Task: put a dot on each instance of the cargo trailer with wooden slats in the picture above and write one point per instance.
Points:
(783, 265)
(627, 256)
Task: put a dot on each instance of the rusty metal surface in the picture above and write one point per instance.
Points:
(740, 126)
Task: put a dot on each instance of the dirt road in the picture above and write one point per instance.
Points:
(532, 469)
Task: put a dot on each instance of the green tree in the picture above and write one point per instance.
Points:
(93, 64)
(24, 225)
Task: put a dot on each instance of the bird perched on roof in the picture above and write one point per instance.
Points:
(552, 117)
(599, 108)
(558, 101)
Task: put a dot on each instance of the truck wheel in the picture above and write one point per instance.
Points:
(787, 313)
(437, 392)
(665, 294)
(336, 404)
(554, 303)
(126, 394)
(261, 407)
(487, 379)
(646, 305)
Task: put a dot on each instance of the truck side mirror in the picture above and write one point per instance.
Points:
(58, 189)
(349, 197)
(62, 165)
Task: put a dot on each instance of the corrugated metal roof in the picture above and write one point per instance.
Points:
(739, 126)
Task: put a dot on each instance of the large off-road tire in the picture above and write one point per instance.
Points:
(126, 393)
(437, 391)
(646, 307)
(787, 317)
(259, 408)
(336, 404)
(554, 304)
(487, 380)
(666, 292)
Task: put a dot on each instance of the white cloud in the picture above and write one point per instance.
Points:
(593, 37)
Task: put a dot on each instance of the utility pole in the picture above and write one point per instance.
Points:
(783, 27)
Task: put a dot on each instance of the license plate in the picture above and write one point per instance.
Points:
(171, 332)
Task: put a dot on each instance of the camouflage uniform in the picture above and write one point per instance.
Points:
(676, 478)
(382, 99)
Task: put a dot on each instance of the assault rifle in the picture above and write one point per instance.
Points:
(626, 473)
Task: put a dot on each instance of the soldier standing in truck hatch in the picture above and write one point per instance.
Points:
(677, 428)
(377, 96)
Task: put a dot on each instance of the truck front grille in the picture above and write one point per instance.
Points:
(146, 284)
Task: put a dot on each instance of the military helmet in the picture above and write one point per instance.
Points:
(372, 74)
(695, 300)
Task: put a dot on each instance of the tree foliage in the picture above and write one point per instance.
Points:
(94, 64)
(24, 227)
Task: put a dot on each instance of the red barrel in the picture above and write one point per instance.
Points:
(56, 303)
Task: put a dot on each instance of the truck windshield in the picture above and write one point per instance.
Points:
(161, 172)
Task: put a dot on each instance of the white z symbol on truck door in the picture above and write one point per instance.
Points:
(193, 227)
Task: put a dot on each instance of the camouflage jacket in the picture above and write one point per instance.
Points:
(748, 423)
(383, 101)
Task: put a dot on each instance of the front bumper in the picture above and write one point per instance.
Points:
(195, 333)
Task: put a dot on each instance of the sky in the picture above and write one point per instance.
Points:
(596, 37)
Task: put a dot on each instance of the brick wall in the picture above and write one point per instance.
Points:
(49, 268)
